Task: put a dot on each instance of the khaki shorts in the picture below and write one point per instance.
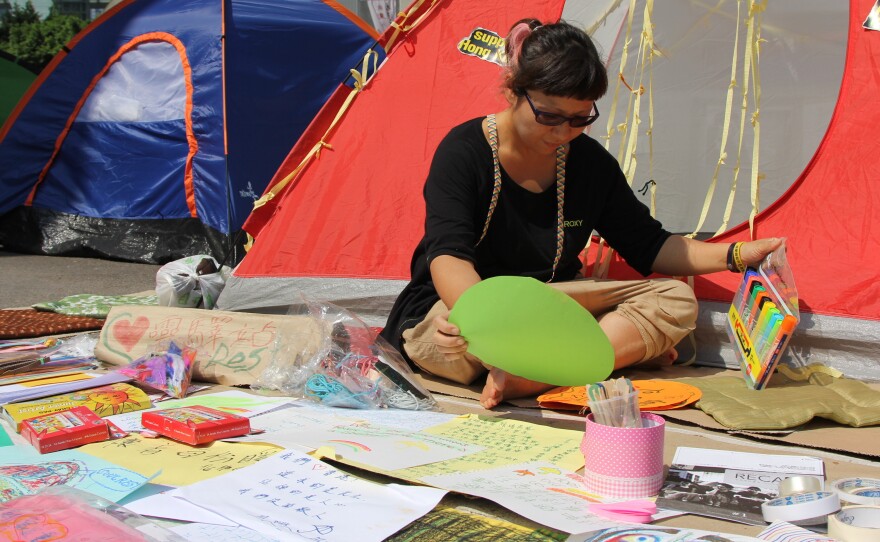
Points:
(663, 310)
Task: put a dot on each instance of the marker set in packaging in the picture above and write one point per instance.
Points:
(762, 317)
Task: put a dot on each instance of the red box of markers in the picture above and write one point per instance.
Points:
(65, 429)
(195, 424)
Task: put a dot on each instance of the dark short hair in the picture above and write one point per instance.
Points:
(557, 59)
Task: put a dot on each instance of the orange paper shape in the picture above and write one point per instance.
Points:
(653, 395)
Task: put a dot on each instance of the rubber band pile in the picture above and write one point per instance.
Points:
(349, 365)
(355, 380)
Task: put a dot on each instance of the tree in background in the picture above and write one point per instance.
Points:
(24, 35)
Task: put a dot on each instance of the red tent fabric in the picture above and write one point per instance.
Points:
(356, 217)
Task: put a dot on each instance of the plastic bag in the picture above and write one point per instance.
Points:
(66, 513)
(167, 368)
(191, 282)
(351, 366)
(763, 316)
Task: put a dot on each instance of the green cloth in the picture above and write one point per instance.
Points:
(95, 306)
(785, 403)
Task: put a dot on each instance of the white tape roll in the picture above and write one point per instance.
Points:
(858, 490)
(855, 524)
(800, 507)
(794, 485)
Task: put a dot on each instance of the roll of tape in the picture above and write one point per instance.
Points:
(794, 485)
(801, 507)
(858, 490)
(855, 524)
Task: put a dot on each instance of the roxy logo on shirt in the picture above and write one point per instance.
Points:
(572, 223)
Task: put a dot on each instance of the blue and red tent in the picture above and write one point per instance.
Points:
(151, 134)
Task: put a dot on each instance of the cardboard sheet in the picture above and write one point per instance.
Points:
(818, 434)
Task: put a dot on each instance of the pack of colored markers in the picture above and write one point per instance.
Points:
(763, 316)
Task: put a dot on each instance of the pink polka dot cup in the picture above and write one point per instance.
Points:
(624, 462)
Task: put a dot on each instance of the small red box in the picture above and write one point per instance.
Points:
(195, 424)
(65, 429)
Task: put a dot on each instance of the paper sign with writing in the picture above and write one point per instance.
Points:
(234, 347)
(541, 492)
(507, 442)
(292, 496)
(24, 471)
(181, 464)
(381, 447)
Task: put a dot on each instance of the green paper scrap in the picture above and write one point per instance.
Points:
(530, 329)
(4, 438)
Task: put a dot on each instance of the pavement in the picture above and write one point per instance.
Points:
(28, 279)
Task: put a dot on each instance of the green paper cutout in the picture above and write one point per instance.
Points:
(4, 438)
(532, 330)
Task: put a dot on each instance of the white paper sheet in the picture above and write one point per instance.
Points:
(384, 447)
(291, 496)
(165, 506)
(541, 492)
(219, 533)
(746, 461)
(17, 396)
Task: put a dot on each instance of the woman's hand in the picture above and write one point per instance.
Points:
(448, 339)
(753, 252)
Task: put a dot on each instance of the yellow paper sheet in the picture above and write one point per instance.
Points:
(181, 464)
(507, 442)
(54, 380)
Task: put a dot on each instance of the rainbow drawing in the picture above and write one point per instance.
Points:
(355, 446)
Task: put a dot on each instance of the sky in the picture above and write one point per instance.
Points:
(42, 6)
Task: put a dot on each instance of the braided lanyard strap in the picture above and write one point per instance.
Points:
(560, 191)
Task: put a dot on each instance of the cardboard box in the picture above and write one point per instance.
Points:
(195, 424)
(64, 429)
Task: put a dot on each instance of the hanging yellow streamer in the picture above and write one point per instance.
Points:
(725, 128)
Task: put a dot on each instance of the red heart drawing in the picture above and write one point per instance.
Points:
(128, 334)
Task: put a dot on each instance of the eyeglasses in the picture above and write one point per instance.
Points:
(552, 119)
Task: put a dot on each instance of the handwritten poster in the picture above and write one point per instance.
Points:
(181, 464)
(541, 492)
(24, 471)
(292, 496)
(507, 442)
(379, 446)
(234, 347)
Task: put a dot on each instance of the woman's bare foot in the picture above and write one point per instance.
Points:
(501, 385)
(663, 360)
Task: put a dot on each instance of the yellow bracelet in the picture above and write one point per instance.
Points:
(737, 258)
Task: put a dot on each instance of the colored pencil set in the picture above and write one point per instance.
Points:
(763, 317)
